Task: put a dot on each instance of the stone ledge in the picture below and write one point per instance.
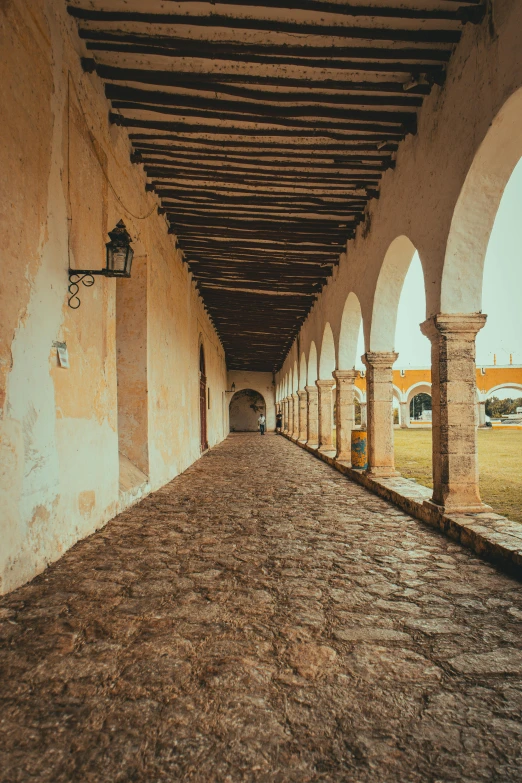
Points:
(491, 536)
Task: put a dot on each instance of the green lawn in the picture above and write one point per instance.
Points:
(500, 464)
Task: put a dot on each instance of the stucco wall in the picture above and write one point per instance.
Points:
(418, 198)
(59, 465)
(261, 382)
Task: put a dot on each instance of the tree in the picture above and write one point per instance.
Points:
(496, 408)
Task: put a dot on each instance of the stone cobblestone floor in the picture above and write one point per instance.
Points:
(262, 619)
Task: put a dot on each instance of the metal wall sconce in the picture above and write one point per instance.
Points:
(232, 389)
(119, 255)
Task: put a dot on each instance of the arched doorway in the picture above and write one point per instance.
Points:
(420, 408)
(202, 400)
(245, 407)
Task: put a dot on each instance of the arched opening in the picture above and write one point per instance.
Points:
(358, 401)
(245, 408)
(327, 357)
(413, 440)
(481, 271)
(399, 307)
(302, 372)
(477, 210)
(312, 364)
(388, 294)
(325, 383)
(420, 409)
(202, 400)
(503, 405)
(350, 333)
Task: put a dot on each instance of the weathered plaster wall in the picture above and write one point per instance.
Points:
(59, 465)
(261, 382)
(131, 364)
(418, 198)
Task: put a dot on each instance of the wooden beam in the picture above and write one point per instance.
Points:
(212, 81)
(382, 65)
(131, 97)
(423, 35)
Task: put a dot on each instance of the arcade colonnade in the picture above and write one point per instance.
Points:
(441, 201)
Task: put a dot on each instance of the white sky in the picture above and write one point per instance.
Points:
(502, 293)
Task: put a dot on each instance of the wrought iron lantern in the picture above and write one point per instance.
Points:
(119, 255)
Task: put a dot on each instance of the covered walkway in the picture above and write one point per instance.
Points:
(244, 624)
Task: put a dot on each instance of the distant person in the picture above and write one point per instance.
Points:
(262, 423)
(279, 422)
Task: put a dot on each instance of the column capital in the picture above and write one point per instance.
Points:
(325, 384)
(311, 389)
(346, 375)
(301, 394)
(381, 359)
(461, 325)
(294, 395)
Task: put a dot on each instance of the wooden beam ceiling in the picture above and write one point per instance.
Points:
(265, 127)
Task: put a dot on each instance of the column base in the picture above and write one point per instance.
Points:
(478, 508)
(382, 472)
(344, 457)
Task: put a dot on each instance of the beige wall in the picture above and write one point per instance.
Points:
(261, 382)
(133, 344)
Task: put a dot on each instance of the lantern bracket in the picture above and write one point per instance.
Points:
(82, 276)
(118, 249)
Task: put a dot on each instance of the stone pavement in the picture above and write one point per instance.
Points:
(262, 618)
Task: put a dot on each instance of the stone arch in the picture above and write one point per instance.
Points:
(359, 395)
(388, 293)
(302, 371)
(312, 365)
(397, 394)
(245, 407)
(476, 210)
(422, 387)
(349, 333)
(513, 386)
(327, 356)
(295, 379)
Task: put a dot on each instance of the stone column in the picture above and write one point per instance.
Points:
(379, 394)
(312, 416)
(344, 412)
(364, 417)
(290, 428)
(285, 414)
(302, 414)
(325, 409)
(405, 415)
(454, 432)
(481, 413)
(295, 426)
